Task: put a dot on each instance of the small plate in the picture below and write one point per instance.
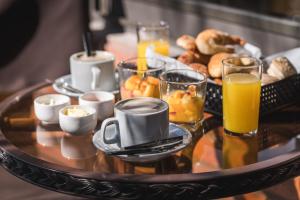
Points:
(174, 130)
(67, 79)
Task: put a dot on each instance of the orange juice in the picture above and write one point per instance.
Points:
(241, 98)
(160, 46)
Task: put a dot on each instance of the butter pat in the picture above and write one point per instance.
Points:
(76, 112)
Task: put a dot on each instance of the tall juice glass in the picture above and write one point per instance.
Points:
(241, 95)
(155, 35)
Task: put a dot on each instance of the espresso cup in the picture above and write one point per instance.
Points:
(103, 102)
(138, 121)
(93, 73)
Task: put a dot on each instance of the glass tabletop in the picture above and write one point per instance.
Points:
(210, 149)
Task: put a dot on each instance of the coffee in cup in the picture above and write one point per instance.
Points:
(95, 72)
(138, 121)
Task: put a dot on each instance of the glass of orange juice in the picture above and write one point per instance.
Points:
(184, 90)
(241, 95)
(155, 35)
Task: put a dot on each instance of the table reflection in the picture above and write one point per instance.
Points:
(239, 151)
(77, 147)
(48, 135)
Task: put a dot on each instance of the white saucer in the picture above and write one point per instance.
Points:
(67, 79)
(174, 130)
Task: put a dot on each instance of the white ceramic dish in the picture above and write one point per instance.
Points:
(79, 125)
(102, 101)
(47, 107)
(67, 79)
(174, 130)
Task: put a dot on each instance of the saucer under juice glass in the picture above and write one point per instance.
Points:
(184, 90)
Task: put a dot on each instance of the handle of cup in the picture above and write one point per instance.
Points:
(96, 72)
(107, 122)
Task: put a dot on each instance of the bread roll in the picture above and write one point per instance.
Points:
(281, 68)
(189, 57)
(212, 41)
(267, 79)
(218, 81)
(215, 64)
(187, 42)
(186, 57)
(201, 58)
(199, 68)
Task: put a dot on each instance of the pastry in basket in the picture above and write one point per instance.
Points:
(215, 64)
(189, 57)
(267, 79)
(186, 57)
(187, 42)
(281, 68)
(212, 41)
(218, 81)
(136, 86)
(199, 68)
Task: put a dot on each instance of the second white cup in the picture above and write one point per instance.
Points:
(102, 102)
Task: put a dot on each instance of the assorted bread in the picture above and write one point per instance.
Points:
(206, 52)
(281, 68)
(215, 64)
(212, 41)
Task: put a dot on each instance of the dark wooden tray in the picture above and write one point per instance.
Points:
(197, 172)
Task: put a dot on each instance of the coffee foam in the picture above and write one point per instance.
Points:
(93, 57)
(142, 106)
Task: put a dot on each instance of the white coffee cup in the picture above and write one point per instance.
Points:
(103, 102)
(93, 73)
(138, 121)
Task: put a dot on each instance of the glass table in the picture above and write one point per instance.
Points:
(214, 165)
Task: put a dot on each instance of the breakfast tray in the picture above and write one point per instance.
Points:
(274, 96)
(33, 152)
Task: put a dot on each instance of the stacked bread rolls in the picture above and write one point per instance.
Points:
(206, 52)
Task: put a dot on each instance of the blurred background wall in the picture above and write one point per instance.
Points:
(38, 36)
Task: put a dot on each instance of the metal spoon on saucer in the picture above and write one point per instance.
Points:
(69, 87)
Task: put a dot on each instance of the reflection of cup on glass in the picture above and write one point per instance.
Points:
(93, 73)
(155, 35)
(241, 95)
(184, 90)
(239, 150)
(137, 80)
(138, 121)
(77, 147)
(48, 135)
(103, 102)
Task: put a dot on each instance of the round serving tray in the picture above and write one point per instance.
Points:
(279, 160)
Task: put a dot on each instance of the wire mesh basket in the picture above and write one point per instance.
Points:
(273, 97)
